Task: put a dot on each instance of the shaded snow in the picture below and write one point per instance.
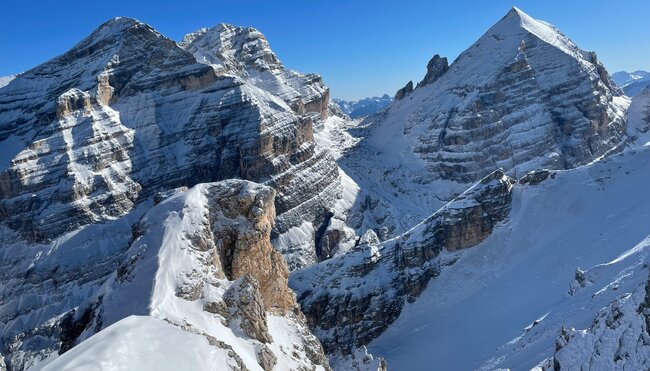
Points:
(141, 343)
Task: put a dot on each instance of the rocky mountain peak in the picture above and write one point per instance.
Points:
(436, 67)
(117, 25)
(484, 112)
(230, 48)
(244, 52)
(117, 31)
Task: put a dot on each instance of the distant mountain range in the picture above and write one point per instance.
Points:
(632, 83)
(363, 107)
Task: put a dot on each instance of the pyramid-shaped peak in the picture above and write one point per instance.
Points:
(516, 12)
(519, 19)
(118, 25)
(516, 24)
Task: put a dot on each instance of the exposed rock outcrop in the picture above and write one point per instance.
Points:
(436, 67)
(352, 299)
(618, 338)
(206, 250)
(535, 177)
(403, 92)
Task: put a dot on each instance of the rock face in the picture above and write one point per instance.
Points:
(352, 299)
(245, 52)
(403, 92)
(436, 67)
(522, 97)
(201, 260)
(127, 113)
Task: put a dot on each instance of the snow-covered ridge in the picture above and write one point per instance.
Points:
(245, 52)
(622, 78)
(200, 262)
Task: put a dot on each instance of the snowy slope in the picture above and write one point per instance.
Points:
(5, 80)
(141, 343)
(478, 309)
(638, 114)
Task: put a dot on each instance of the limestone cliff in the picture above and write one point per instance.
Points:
(352, 299)
(200, 260)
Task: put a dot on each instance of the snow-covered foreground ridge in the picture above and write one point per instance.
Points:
(202, 269)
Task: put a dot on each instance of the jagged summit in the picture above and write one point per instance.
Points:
(245, 52)
(228, 47)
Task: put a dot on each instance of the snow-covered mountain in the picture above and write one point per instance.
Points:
(525, 92)
(523, 97)
(196, 205)
(514, 100)
(91, 137)
(363, 107)
(632, 83)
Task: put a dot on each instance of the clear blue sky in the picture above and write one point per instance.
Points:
(361, 48)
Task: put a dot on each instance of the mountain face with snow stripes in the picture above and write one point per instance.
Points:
(91, 137)
(522, 97)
